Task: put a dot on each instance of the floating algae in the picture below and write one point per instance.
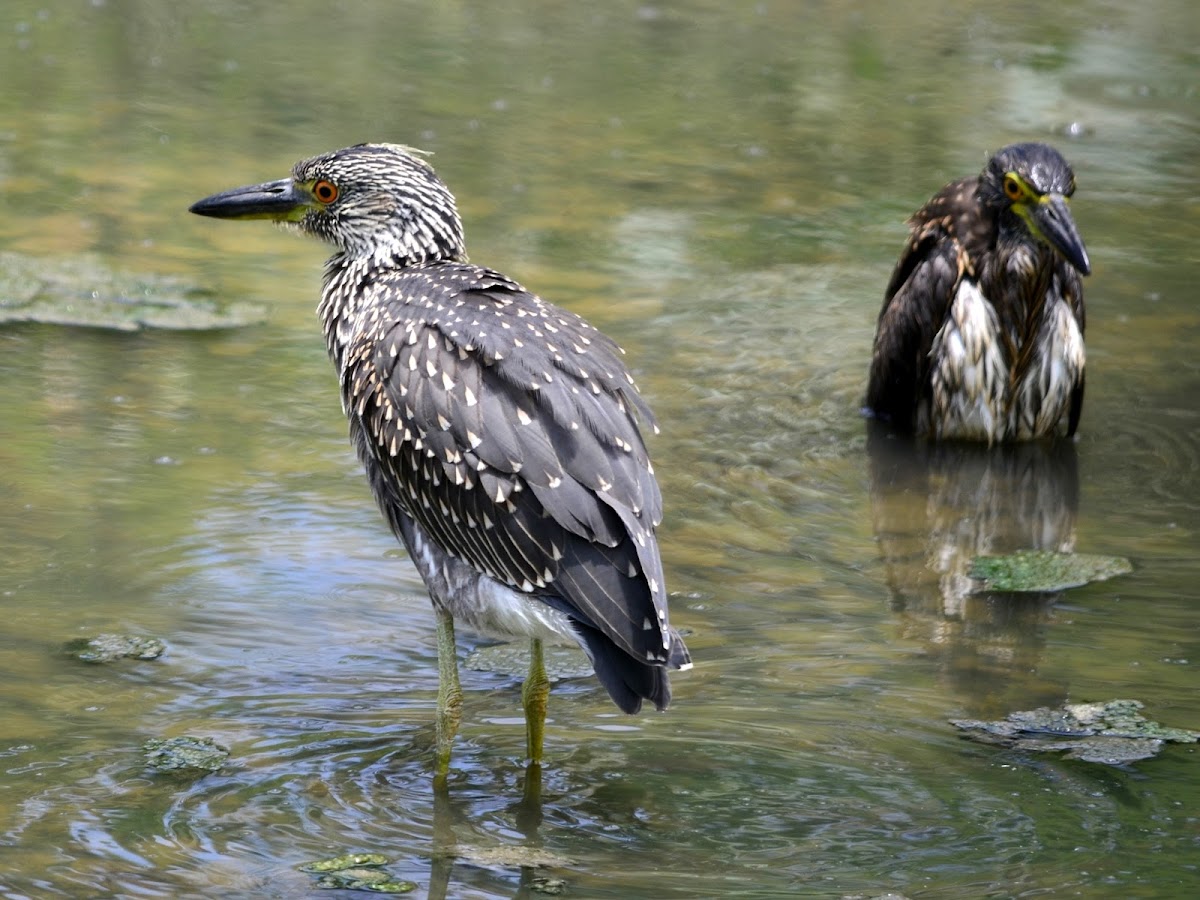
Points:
(105, 648)
(185, 756)
(357, 872)
(1043, 571)
(1113, 733)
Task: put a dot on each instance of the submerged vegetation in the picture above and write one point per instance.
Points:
(1113, 733)
(84, 291)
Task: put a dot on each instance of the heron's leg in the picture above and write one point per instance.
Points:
(535, 695)
(449, 711)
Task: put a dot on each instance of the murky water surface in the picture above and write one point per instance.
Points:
(722, 187)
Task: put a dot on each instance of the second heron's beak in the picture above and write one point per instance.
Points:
(1052, 219)
(283, 201)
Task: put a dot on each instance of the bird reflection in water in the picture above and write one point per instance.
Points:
(452, 815)
(936, 506)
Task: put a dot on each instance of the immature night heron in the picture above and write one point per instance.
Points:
(981, 332)
(498, 431)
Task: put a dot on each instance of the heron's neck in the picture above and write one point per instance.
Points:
(342, 298)
(346, 289)
(1018, 287)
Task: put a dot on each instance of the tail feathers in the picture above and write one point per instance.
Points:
(627, 680)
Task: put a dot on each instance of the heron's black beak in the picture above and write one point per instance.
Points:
(280, 200)
(1052, 218)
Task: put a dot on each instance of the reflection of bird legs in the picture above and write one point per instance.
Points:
(528, 816)
(529, 810)
(445, 844)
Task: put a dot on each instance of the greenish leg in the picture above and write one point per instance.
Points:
(449, 711)
(535, 695)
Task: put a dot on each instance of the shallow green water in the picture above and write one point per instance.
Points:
(722, 187)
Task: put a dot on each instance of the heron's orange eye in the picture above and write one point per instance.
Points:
(1012, 187)
(325, 191)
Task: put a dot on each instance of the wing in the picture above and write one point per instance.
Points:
(507, 428)
(943, 234)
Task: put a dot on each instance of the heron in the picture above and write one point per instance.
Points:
(501, 435)
(980, 337)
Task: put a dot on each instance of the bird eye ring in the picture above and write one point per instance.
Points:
(1012, 187)
(325, 191)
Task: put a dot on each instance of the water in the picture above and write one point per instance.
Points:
(722, 188)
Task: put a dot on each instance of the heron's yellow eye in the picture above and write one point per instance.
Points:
(1012, 187)
(325, 191)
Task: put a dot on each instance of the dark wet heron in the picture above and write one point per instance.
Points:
(981, 333)
(499, 433)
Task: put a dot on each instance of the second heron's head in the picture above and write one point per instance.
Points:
(1035, 183)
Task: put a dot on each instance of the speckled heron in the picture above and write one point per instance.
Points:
(981, 332)
(499, 432)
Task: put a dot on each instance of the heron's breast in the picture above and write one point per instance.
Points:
(970, 371)
(1044, 393)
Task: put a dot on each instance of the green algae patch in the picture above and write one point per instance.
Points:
(83, 291)
(1112, 733)
(357, 872)
(185, 756)
(106, 648)
(1043, 571)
